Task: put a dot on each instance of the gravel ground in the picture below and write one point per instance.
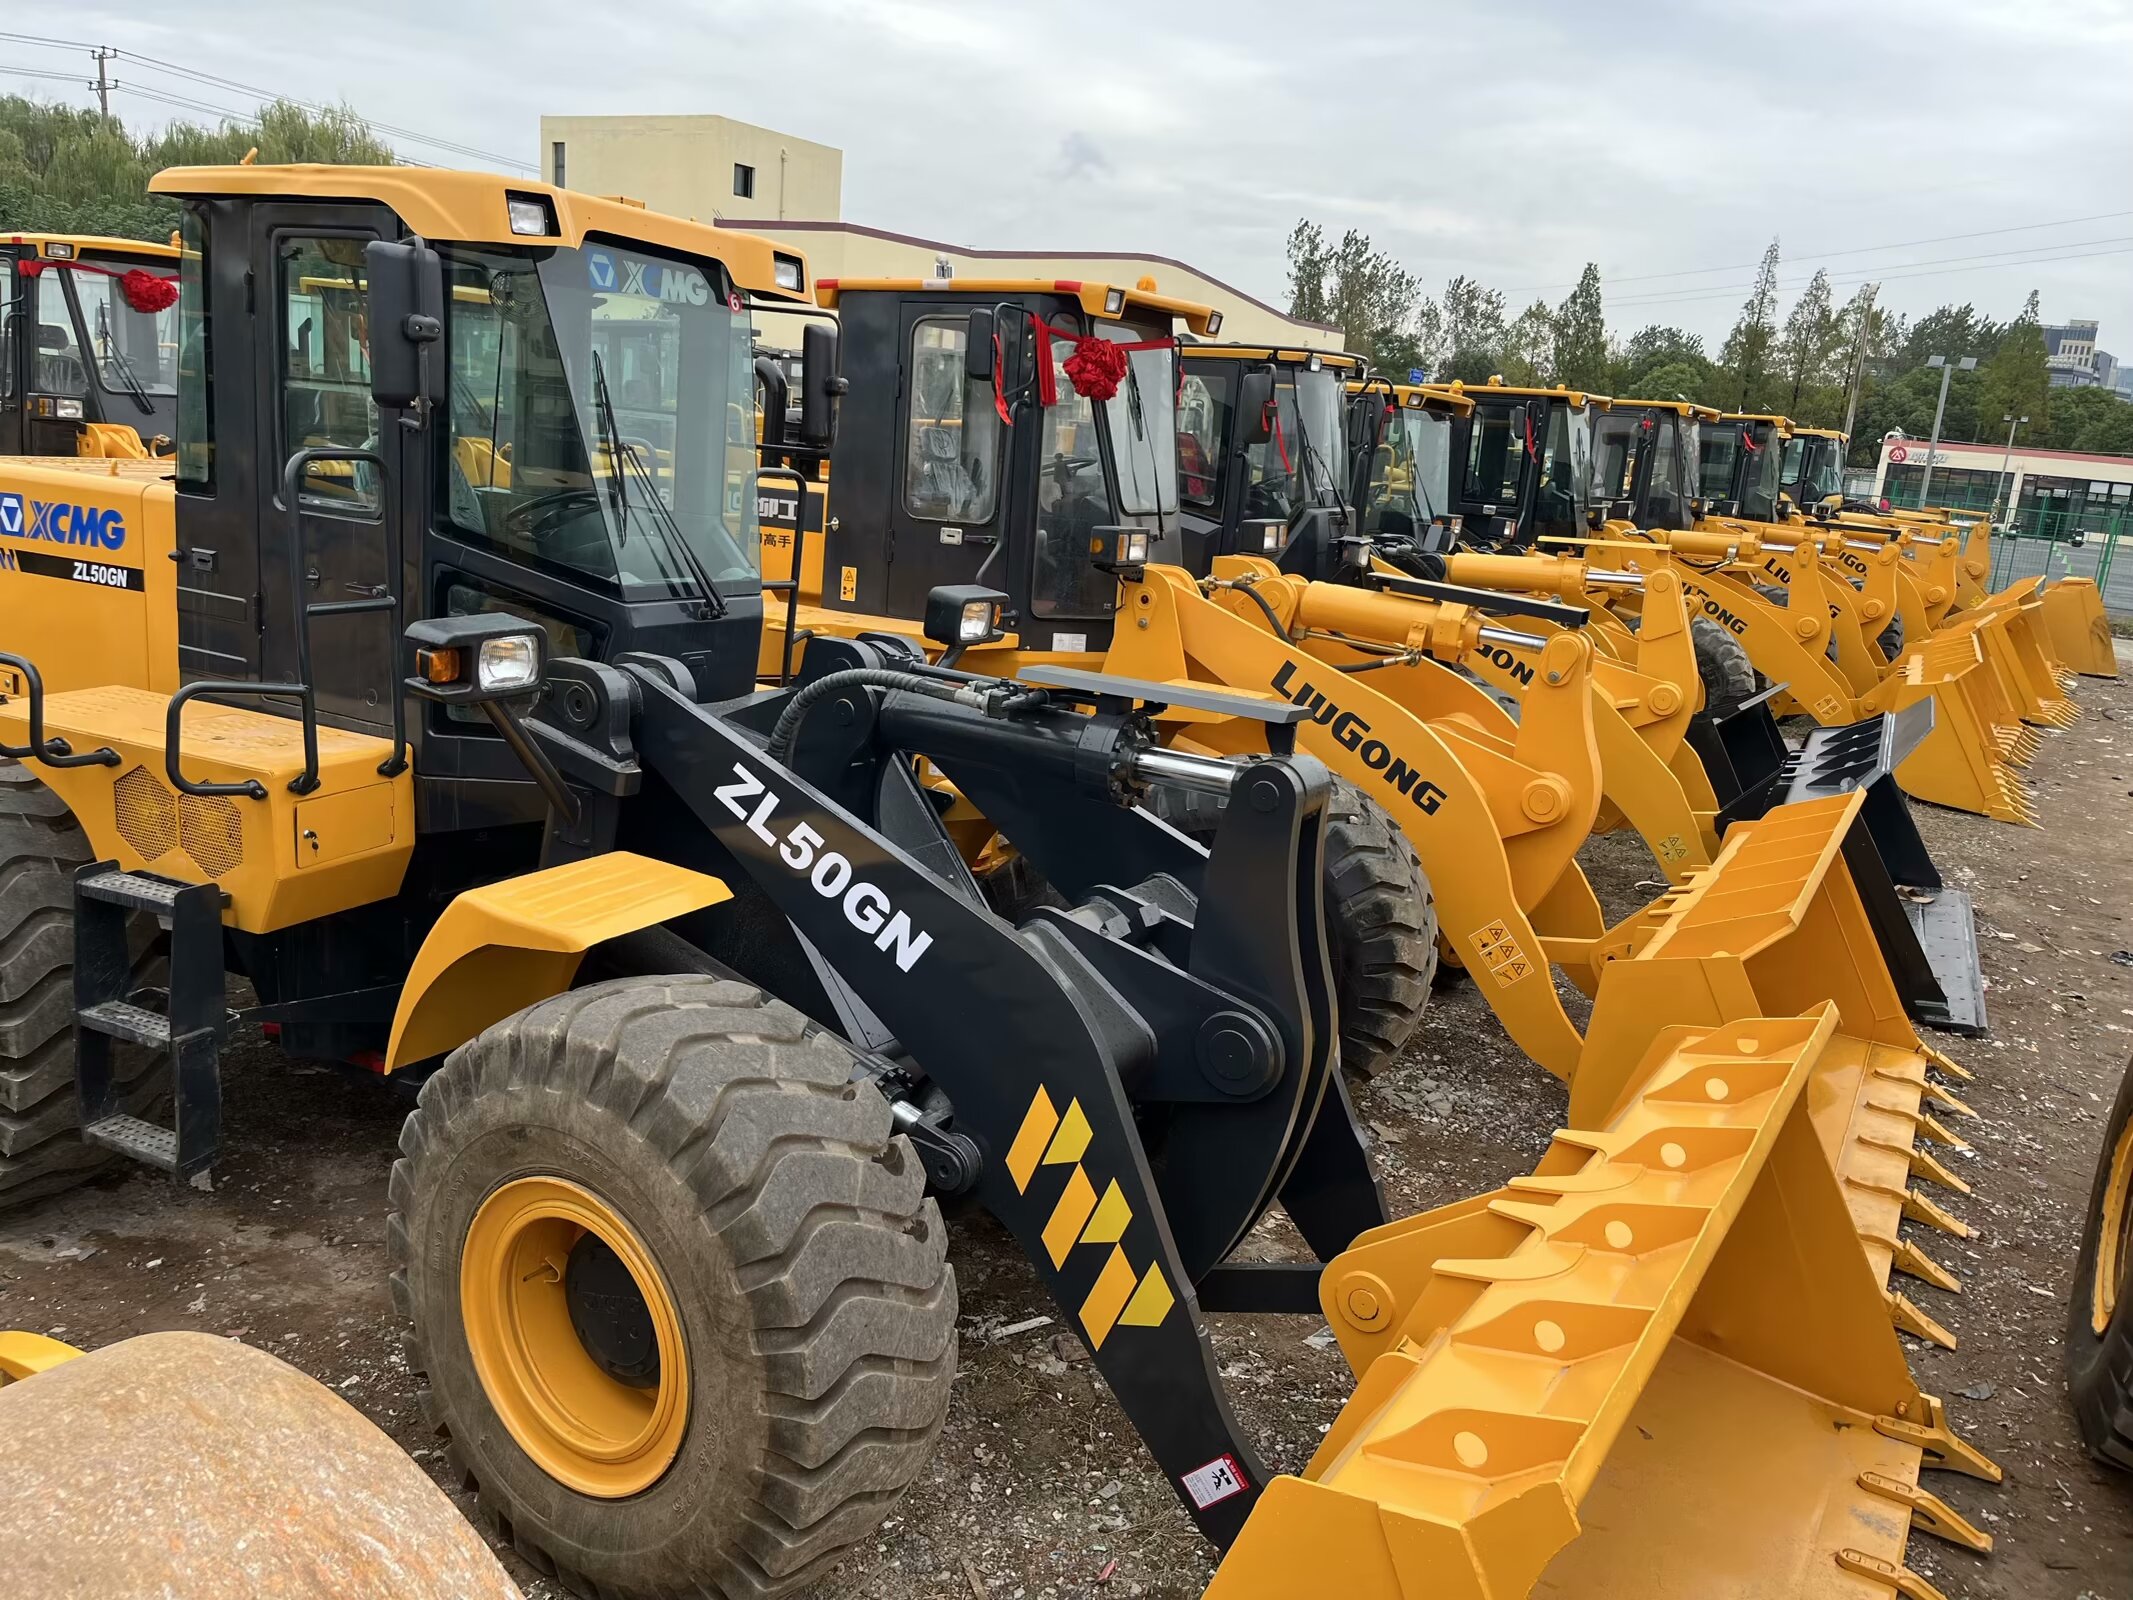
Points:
(1038, 1489)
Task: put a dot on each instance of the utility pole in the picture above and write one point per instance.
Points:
(1851, 392)
(2004, 486)
(1948, 369)
(103, 85)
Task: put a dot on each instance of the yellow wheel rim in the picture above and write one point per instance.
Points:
(585, 1428)
(2114, 1234)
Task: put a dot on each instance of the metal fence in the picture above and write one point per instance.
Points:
(2039, 540)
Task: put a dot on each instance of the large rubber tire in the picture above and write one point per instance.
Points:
(1723, 665)
(1381, 920)
(789, 1225)
(1891, 638)
(41, 1149)
(2099, 1360)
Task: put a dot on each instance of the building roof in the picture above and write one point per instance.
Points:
(2000, 450)
(816, 226)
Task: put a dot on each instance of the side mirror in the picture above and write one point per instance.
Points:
(1255, 404)
(820, 385)
(977, 349)
(406, 319)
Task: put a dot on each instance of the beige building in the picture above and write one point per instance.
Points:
(703, 167)
(792, 190)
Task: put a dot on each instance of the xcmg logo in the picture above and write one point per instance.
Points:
(59, 522)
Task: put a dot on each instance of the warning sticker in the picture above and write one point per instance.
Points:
(1672, 848)
(1500, 955)
(847, 583)
(1829, 710)
(1217, 1481)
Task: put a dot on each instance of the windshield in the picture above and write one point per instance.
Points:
(1558, 501)
(127, 347)
(555, 353)
(1814, 468)
(1759, 493)
(1717, 453)
(1142, 419)
(1292, 468)
(1497, 447)
(1410, 473)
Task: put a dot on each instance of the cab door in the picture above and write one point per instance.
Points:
(331, 546)
(11, 379)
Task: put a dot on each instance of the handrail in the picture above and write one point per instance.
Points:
(303, 610)
(252, 789)
(52, 752)
(799, 548)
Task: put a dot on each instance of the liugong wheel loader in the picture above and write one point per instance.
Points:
(679, 1298)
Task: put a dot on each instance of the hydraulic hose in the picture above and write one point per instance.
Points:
(787, 727)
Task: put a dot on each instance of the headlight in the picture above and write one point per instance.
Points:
(975, 626)
(787, 274)
(1458, 522)
(1133, 548)
(530, 214)
(1270, 539)
(67, 410)
(511, 662)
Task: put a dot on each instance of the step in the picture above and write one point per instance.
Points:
(134, 890)
(123, 1020)
(131, 1136)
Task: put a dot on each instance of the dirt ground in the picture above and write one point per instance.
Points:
(1038, 1489)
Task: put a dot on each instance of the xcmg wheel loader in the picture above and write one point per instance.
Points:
(91, 356)
(708, 1005)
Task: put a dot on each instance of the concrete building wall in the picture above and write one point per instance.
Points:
(687, 166)
(847, 250)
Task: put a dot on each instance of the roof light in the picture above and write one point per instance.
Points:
(1214, 323)
(1314, 363)
(1114, 302)
(530, 214)
(788, 274)
(58, 251)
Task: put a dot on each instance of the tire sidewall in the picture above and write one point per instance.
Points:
(499, 1135)
(2100, 1366)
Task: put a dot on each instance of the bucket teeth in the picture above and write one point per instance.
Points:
(1936, 1441)
(1940, 1096)
(1924, 1164)
(1938, 1133)
(1901, 1581)
(1906, 1257)
(1941, 1063)
(1909, 1318)
(1919, 1209)
(1928, 1511)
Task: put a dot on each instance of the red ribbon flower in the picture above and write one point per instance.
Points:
(1096, 368)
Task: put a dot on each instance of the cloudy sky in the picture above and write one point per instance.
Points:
(1668, 140)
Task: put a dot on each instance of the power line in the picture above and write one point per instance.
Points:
(1895, 269)
(1833, 255)
(212, 80)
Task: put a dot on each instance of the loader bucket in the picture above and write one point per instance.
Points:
(1657, 1366)
(2017, 640)
(1968, 761)
(2080, 631)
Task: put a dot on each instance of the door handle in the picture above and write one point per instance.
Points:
(370, 591)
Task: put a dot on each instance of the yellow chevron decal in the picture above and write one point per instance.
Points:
(1071, 1142)
(1114, 1288)
(1038, 1124)
(1108, 1225)
(1068, 1216)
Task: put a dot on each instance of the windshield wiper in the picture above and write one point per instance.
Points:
(115, 357)
(662, 516)
(1137, 410)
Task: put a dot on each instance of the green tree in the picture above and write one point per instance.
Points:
(1473, 330)
(1529, 346)
(68, 171)
(1309, 267)
(1581, 334)
(2013, 380)
(1809, 342)
(1746, 354)
(2085, 419)
(1358, 287)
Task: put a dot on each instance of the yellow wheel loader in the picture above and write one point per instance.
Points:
(91, 361)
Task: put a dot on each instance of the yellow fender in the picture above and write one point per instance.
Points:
(1167, 631)
(504, 946)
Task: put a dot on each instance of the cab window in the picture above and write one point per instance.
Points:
(952, 436)
(1072, 503)
(1203, 429)
(1496, 456)
(325, 387)
(196, 413)
(62, 367)
(7, 325)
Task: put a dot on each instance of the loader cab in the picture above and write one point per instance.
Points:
(1402, 441)
(1646, 457)
(1740, 458)
(975, 449)
(88, 346)
(1520, 469)
(1813, 468)
(543, 408)
(1262, 440)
